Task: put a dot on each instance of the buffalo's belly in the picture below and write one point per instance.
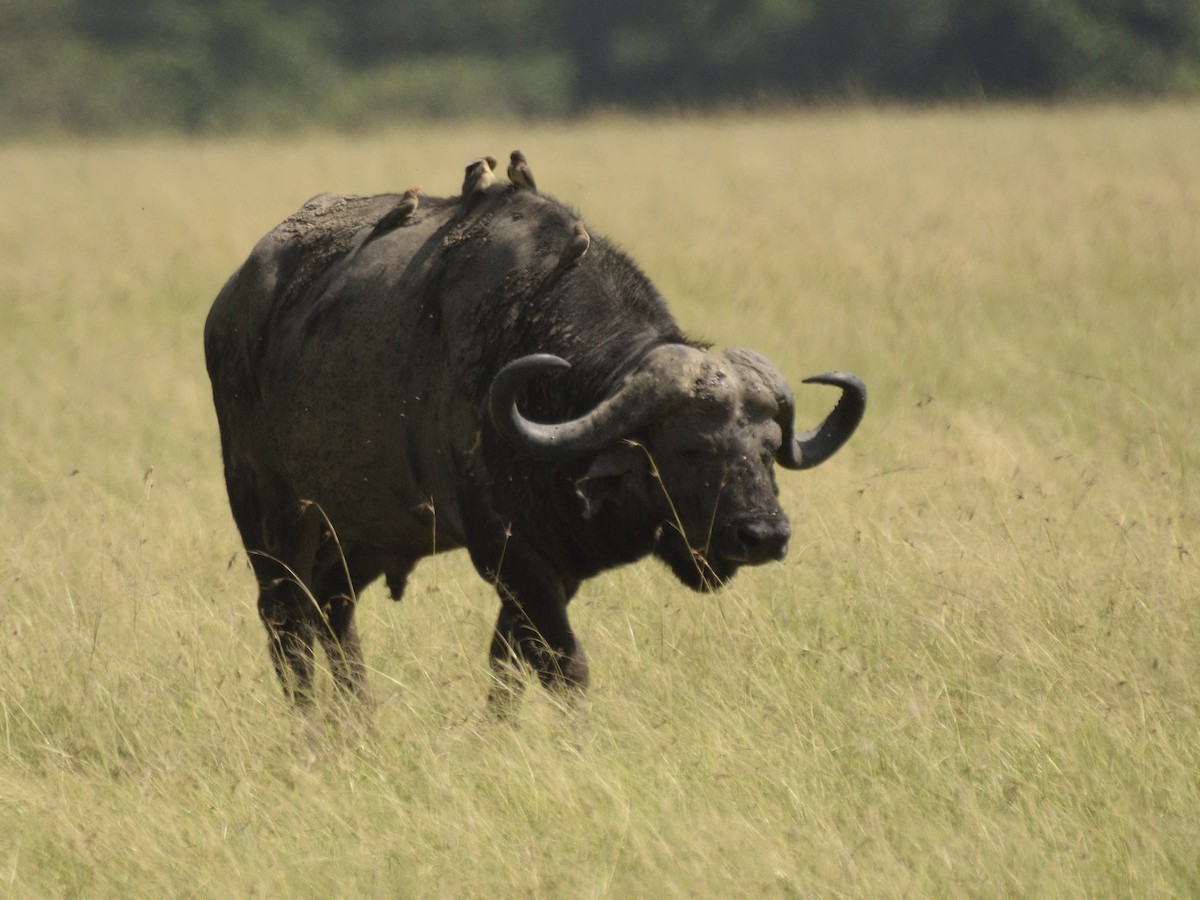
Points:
(374, 498)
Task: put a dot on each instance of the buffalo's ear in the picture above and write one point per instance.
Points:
(603, 479)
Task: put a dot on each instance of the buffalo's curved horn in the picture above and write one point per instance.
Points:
(813, 447)
(657, 381)
(803, 451)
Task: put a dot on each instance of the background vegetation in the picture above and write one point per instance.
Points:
(975, 675)
(122, 65)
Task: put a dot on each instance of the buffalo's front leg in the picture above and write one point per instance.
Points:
(540, 637)
(532, 628)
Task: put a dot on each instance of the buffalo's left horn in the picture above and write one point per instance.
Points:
(813, 447)
(803, 451)
(639, 399)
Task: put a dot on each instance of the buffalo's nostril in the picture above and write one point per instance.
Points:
(763, 540)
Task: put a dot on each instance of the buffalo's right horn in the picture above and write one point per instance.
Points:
(643, 395)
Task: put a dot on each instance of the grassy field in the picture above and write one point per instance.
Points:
(977, 673)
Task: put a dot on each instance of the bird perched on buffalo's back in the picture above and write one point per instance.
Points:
(480, 174)
(573, 252)
(397, 215)
(519, 172)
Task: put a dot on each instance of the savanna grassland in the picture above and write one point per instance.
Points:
(976, 674)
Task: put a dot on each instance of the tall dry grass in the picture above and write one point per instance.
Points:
(975, 674)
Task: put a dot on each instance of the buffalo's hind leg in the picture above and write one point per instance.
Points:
(287, 603)
(339, 636)
(289, 636)
(281, 536)
(337, 585)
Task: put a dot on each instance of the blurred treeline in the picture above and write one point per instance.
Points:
(108, 65)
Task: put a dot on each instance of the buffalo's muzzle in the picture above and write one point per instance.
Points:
(758, 541)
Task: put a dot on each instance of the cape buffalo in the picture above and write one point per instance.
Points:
(451, 382)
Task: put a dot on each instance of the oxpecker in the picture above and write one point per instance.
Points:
(480, 174)
(576, 247)
(397, 215)
(519, 172)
